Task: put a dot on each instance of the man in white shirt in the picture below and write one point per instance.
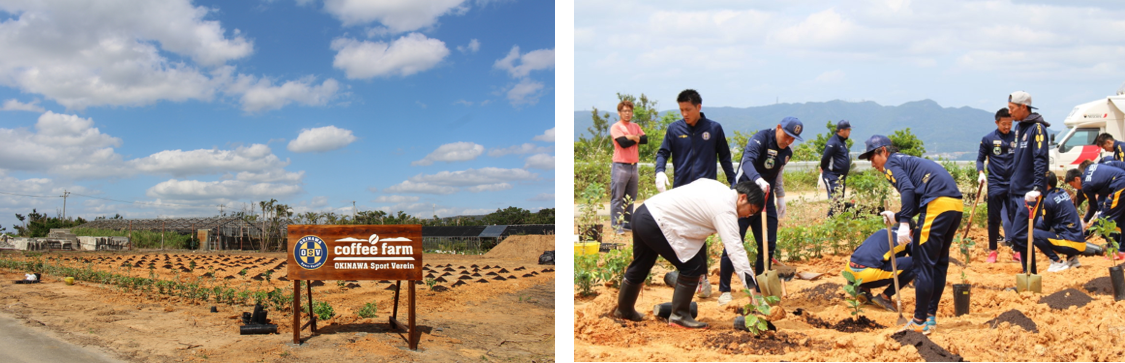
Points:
(675, 224)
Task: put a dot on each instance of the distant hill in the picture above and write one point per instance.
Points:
(944, 130)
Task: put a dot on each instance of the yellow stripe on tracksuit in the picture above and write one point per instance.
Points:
(1080, 246)
(870, 274)
(1116, 197)
(937, 207)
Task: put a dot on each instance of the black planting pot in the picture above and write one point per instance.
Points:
(257, 329)
(1117, 278)
(665, 310)
(246, 318)
(961, 295)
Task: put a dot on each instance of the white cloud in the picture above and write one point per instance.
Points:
(526, 148)
(62, 144)
(543, 197)
(271, 176)
(525, 92)
(397, 15)
(255, 158)
(16, 105)
(458, 151)
(472, 47)
(834, 76)
(321, 139)
(540, 161)
(490, 187)
(396, 199)
(414, 187)
(262, 95)
(229, 189)
(407, 55)
(463, 102)
(532, 61)
(474, 177)
(547, 136)
(110, 53)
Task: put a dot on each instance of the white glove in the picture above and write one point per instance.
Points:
(780, 207)
(888, 216)
(903, 233)
(661, 182)
(982, 178)
(1031, 196)
(764, 186)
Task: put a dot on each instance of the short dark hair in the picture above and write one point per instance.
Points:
(1071, 174)
(753, 193)
(1085, 163)
(690, 95)
(1102, 138)
(1002, 113)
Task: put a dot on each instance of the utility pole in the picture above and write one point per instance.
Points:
(220, 210)
(65, 194)
(353, 211)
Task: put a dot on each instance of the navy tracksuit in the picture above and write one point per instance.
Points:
(871, 261)
(1118, 152)
(761, 158)
(1059, 229)
(930, 192)
(834, 165)
(998, 149)
(695, 151)
(1029, 172)
(1103, 184)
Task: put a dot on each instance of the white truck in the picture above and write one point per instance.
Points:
(1084, 124)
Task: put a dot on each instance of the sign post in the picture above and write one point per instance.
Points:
(355, 252)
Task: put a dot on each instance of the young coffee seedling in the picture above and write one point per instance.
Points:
(852, 288)
(757, 311)
(340, 283)
(368, 311)
(1104, 227)
(430, 282)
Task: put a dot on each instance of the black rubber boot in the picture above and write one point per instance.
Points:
(626, 301)
(681, 303)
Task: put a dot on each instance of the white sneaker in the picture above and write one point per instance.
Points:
(704, 288)
(724, 298)
(1058, 266)
(1073, 262)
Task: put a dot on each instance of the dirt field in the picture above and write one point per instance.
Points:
(1089, 332)
(510, 320)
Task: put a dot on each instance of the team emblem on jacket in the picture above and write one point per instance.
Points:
(706, 135)
(769, 163)
(996, 147)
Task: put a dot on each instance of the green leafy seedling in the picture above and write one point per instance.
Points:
(852, 288)
(368, 311)
(757, 311)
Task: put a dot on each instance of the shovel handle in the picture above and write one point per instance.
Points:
(894, 261)
(973, 212)
(1030, 233)
(765, 241)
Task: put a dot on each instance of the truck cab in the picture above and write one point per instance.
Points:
(1076, 144)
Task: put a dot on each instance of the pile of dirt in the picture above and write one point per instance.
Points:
(765, 343)
(824, 292)
(1099, 286)
(1065, 299)
(523, 247)
(856, 325)
(929, 351)
(812, 320)
(1016, 318)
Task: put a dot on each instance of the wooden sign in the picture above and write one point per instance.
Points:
(355, 252)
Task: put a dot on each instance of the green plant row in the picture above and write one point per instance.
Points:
(143, 238)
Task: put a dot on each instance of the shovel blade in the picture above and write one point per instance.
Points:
(769, 283)
(1033, 283)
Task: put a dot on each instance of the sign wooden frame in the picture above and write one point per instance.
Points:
(355, 252)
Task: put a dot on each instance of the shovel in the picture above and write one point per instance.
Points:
(768, 281)
(1028, 281)
(971, 213)
(894, 273)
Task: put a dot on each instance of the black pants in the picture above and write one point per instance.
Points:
(999, 216)
(649, 242)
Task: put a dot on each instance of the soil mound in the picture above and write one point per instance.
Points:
(766, 343)
(1015, 317)
(823, 292)
(1099, 286)
(523, 247)
(1065, 299)
(929, 351)
(856, 325)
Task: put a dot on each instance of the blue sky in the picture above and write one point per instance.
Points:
(957, 53)
(182, 106)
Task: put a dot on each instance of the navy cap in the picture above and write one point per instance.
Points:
(793, 127)
(843, 125)
(873, 143)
